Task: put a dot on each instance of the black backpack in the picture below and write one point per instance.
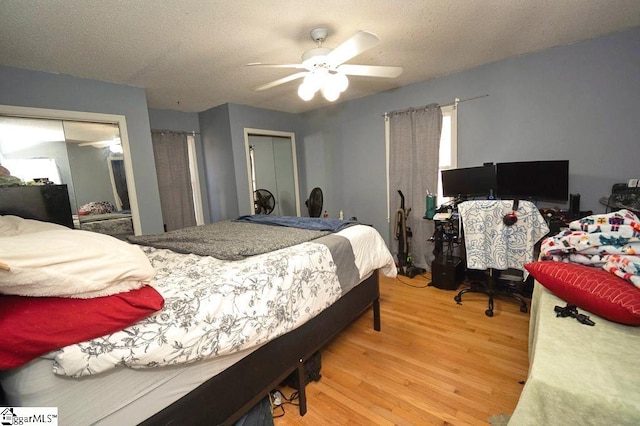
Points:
(311, 369)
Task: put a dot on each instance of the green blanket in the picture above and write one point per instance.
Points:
(578, 375)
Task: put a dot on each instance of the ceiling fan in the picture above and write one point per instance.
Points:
(325, 68)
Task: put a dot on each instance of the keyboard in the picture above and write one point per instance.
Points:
(623, 197)
(442, 216)
(622, 188)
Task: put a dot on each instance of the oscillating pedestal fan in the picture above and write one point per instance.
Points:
(314, 203)
(263, 201)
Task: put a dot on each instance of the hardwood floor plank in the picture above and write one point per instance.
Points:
(434, 362)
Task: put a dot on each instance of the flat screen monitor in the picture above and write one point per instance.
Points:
(534, 180)
(469, 181)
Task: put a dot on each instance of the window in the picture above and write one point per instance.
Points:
(448, 145)
(31, 169)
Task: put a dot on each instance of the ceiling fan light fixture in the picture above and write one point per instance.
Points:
(341, 81)
(327, 70)
(312, 57)
(315, 79)
(306, 92)
(330, 91)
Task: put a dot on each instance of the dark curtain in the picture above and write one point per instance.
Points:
(121, 183)
(174, 179)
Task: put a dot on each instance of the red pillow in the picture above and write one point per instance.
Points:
(33, 326)
(593, 289)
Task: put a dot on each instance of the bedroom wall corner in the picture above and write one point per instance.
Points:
(215, 134)
(243, 116)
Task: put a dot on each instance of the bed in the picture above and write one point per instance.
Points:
(580, 373)
(117, 224)
(103, 217)
(213, 389)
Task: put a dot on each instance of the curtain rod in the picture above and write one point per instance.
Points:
(174, 131)
(454, 103)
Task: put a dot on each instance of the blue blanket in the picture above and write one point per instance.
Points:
(313, 223)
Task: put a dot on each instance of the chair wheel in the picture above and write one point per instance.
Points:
(488, 312)
(523, 309)
(457, 298)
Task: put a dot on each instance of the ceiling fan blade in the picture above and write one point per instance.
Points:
(281, 81)
(371, 70)
(260, 64)
(360, 42)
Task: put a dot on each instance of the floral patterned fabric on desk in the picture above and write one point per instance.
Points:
(490, 243)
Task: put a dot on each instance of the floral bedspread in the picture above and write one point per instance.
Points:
(610, 241)
(213, 307)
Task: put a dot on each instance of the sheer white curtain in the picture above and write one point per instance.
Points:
(414, 146)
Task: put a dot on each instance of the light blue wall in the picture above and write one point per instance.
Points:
(345, 156)
(90, 174)
(178, 121)
(25, 88)
(219, 163)
(222, 130)
(577, 102)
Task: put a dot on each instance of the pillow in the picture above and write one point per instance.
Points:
(34, 326)
(593, 289)
(96, 207)
(14, 225)
(71, 263)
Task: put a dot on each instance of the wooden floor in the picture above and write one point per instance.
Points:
(434, 362)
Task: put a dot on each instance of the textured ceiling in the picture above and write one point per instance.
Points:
(189, 55)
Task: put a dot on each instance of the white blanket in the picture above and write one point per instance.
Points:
(610, 241)
(70, 263)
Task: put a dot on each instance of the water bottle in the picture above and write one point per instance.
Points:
(431, 206)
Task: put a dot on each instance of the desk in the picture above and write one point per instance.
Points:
(446, 233)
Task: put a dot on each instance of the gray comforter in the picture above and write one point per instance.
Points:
(228, 240)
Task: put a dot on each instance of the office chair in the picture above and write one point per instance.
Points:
(498, 235)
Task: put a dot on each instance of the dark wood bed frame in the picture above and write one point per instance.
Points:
(226, 397)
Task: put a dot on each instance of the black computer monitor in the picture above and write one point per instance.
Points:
(469, 181)
(534, 180)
